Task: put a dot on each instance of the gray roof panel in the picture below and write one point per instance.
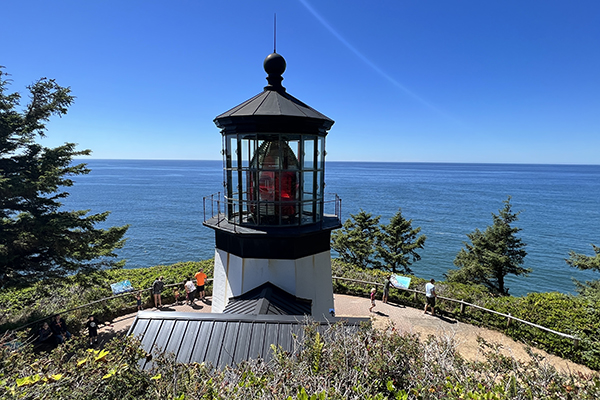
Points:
(177, 336)
(243, 345)
(184, 353)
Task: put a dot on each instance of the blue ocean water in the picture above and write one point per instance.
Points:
(162, 202)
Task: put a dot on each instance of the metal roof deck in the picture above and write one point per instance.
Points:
(222, 339)
(268, 299)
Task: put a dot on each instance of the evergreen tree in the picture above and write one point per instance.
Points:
(38, 238)
(355, 240)
(397, 244)
(492, 254)
(584, 262)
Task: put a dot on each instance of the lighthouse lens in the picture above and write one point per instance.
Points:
(274, 188)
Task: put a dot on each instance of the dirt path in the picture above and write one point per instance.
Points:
(405, 319)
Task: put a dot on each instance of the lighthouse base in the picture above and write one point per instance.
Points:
(308, 278)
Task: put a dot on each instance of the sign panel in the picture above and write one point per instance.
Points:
(121, 287)
(401, 282)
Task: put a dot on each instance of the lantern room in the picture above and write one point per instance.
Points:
(274, 155)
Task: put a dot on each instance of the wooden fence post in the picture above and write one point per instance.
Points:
(575, 343)
(415, 296)
(508, 320)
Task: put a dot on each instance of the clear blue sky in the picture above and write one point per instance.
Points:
(405, 80)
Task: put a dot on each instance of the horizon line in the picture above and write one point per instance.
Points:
(351, 161)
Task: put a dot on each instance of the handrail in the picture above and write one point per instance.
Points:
(464, 303)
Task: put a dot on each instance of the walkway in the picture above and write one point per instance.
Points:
(404, 319)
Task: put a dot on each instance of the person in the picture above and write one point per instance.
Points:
(190, 289)
(372, 299)
(138, 300)
(157, 288)
(44, 334)
(200, 280)
(176, 295)
(430, 296)
(386, 289)
(92, 326)
(59, 329)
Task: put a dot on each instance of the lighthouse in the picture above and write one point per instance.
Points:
(273, 222)
(272, 225)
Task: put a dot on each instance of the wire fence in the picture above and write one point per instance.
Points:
(463, 307)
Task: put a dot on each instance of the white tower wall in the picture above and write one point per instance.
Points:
(307, 278)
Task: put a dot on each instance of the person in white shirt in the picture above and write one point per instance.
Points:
(430, 295)
(190, 289)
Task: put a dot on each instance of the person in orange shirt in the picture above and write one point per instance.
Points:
(200, 278)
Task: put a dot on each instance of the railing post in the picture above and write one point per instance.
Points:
(462, 306)
(508, 320)
(415, 296)
(575, 343)
(218, 208)
(212, 205)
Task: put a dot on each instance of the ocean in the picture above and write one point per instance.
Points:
(161, 200)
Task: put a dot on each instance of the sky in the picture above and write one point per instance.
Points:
(405, 80)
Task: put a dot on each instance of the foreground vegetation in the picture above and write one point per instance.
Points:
(370, 364)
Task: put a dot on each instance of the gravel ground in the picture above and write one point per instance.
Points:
(404, 319)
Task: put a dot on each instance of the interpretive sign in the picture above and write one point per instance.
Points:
(401, 282)
(121, 287)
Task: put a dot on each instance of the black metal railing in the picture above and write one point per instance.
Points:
(220, 209)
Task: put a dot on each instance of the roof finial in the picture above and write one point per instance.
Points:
(275, 33)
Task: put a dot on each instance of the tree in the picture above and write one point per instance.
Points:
(584, 262)
(492, 254)
(396, 244)
(38, 238)
(355, 240)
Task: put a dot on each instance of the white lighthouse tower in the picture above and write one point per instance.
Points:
(271, 225)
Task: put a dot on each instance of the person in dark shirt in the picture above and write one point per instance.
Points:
(386, 289)
(157, 288)
(92, 326)
(59, 328)
(44, 334)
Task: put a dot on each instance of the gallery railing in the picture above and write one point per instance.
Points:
(220, 210)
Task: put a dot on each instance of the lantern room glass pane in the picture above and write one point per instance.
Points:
(320, 152)
(309, 153)
(294, 146)
(308, 188)
(232, 152)
(320, 185)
